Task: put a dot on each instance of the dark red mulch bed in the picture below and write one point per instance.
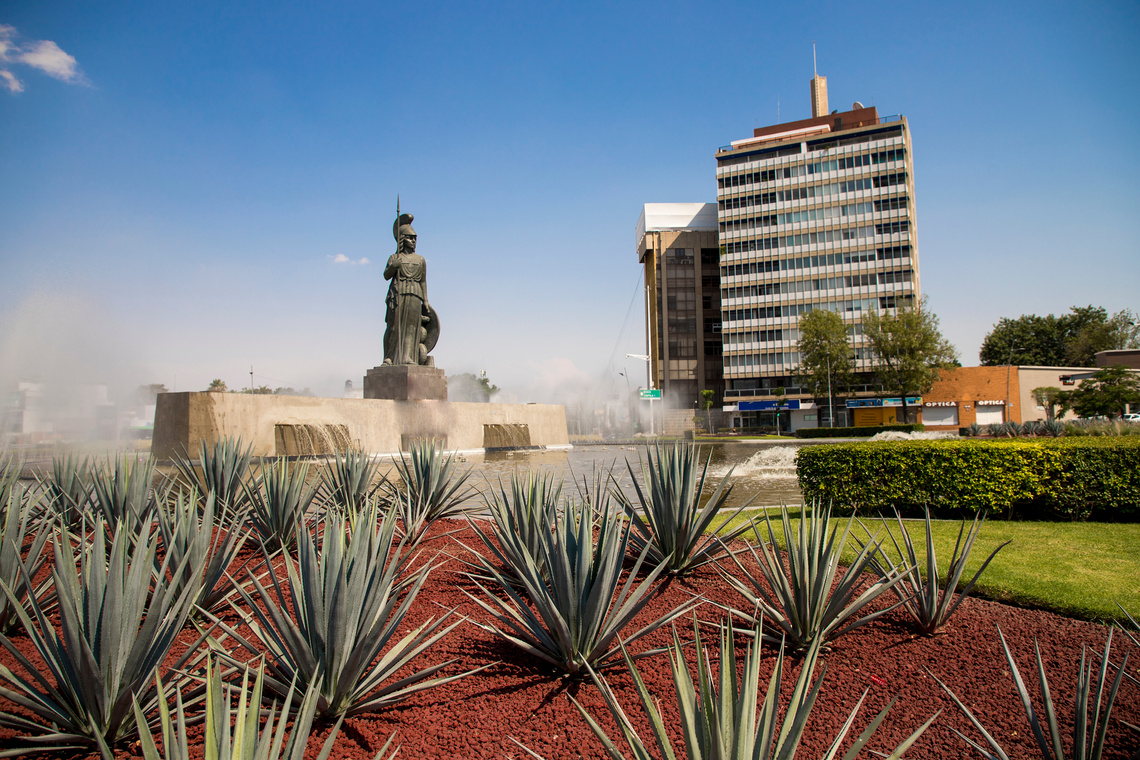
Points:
(521, 697)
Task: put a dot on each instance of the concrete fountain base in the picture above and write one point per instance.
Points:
(303, 425)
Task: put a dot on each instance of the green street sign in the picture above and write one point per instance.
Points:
(650, 394)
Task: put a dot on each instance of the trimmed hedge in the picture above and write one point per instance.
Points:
(1069, 478)
(856, 432)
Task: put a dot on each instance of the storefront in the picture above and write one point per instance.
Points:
(787, 415)
(971, 395)
(871, 412)
(940, 413)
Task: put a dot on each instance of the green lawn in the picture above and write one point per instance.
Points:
(1081, 570)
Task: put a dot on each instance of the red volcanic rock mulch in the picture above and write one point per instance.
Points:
(521, 697)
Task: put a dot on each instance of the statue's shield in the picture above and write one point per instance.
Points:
(431, 326)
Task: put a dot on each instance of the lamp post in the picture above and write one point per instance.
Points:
(830, 407)
(649, 384)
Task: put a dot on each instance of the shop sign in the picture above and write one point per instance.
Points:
(855, 403)
(941, 403)
(768, 406)
(1000, 402)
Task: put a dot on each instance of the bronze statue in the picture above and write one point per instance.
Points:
(412, 324)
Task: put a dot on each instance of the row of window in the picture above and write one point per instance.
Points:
(823, 214)
(822, 260)
(744, 361)
(760, 336)
(827, 283)
(800, 170)
(823, 236)
(782, 358)
(796, 309)
(813, 191)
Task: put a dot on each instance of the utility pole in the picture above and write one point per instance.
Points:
(830, 406)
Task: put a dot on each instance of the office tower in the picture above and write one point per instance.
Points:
(677, 245)
(813, 214)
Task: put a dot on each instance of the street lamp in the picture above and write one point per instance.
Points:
(649, 384)
(830, 407)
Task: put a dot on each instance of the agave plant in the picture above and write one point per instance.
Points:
(1090, 722)
(68, 490)
(573, 612)
(797, 594)
(10, 468)
(123, 492)
(350, 482)
(995, 429)
(20, 558)
(670, 524)
(523, 517)
(223, 470)
(209, 538)
(719, 715)
(115, 631)
(433, 489)
(280, 497)
(931, 602)
(233, 734)
(345, 605)
(973, 430)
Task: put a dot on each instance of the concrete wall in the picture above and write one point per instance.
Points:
(183, 420)
(1041, 377)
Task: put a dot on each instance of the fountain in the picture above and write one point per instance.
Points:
(405, 398)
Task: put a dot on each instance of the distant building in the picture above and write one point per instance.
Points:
(812, 214)
(1128, 357)
(677, 244)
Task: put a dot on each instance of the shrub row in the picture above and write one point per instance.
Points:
(856, 432)
(1076, 479)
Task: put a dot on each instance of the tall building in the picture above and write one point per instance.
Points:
(677, 244)
(812, 214)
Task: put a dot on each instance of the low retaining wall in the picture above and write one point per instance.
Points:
(301, 425)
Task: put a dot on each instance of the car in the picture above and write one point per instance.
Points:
(1134, 417)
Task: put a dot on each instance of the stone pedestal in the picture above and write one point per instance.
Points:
(406, 382)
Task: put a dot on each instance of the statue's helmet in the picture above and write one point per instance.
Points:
(402, 227)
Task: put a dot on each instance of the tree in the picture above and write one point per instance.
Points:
(1052, 398)
(288, 391)
(146, 394)
(1029, 339)
(1090, 330)
(708, 397)
(261, 390)
(826, 357)
(1071, 339)
(1107, 393)
(218, 385)
(469, 387)
(908, 348)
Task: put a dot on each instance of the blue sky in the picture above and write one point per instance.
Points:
(174, 201)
